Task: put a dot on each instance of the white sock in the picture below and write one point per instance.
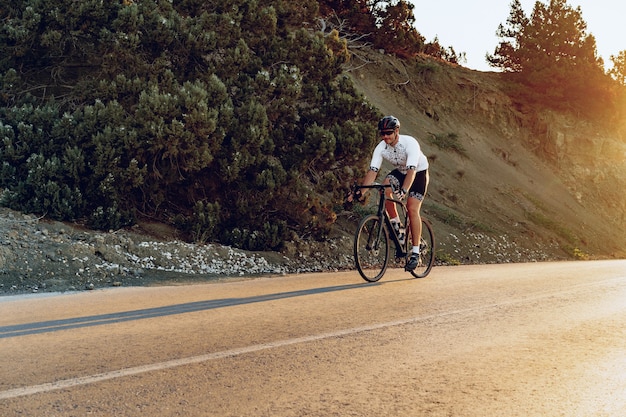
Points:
(416, 249)
(395, 219)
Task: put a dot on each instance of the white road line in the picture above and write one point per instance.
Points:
(74, 382)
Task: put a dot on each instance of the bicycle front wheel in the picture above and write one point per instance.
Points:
(371, 248)
(427, 251)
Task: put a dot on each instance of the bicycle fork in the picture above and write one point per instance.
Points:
(373, 238)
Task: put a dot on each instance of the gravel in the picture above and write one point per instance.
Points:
(37, 255)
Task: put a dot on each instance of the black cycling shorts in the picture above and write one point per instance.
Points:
(419, 187)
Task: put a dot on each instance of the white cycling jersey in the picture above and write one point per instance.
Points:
(405, 155)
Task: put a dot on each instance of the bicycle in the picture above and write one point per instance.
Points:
(371, 240)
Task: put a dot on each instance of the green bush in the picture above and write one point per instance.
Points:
(233, 122)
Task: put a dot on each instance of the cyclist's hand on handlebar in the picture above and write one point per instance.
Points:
(349, 201)
(355, 195)
(401, 193)
(358, 195)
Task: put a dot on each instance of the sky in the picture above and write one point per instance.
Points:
(470, 25)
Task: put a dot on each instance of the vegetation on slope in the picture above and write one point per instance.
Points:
(554, 62)
(232, 120)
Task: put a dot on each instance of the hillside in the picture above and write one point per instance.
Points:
(507, 185)
(525, 181)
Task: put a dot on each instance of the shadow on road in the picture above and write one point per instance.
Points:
(99, 320)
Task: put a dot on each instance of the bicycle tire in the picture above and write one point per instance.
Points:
(427, 251)
(371, 249)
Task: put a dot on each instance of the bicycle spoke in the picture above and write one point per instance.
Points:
(427, 254)
(371, 249)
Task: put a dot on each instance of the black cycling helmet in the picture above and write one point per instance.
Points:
(388, 123)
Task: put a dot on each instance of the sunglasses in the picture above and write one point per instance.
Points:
(386, 132)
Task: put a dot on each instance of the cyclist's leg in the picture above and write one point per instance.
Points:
(414, 205)
(395, 178)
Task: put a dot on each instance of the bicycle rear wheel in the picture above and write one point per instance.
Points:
(427, 251)
(371, 248)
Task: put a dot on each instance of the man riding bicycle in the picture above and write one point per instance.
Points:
(409, 177)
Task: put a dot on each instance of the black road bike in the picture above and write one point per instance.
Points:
(371, 240)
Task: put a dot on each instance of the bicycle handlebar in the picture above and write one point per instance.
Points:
(379, 187)
(373, 186)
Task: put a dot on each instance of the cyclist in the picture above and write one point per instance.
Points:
(409, 177)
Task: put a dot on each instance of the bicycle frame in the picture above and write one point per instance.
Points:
(371, 240)
(401, 247)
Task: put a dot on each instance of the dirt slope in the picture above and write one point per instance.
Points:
(519, 187)
(531, 182)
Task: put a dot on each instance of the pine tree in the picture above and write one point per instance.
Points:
(553, 57)
(554, 35)
(506, 56)
(618, 71)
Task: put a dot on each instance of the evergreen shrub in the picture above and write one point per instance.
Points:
(231, 120)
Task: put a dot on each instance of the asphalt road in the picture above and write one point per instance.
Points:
(543, 339)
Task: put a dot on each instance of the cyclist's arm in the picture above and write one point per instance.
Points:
(376, 162)
(370, 177)
(414, 159)
(408, 180)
